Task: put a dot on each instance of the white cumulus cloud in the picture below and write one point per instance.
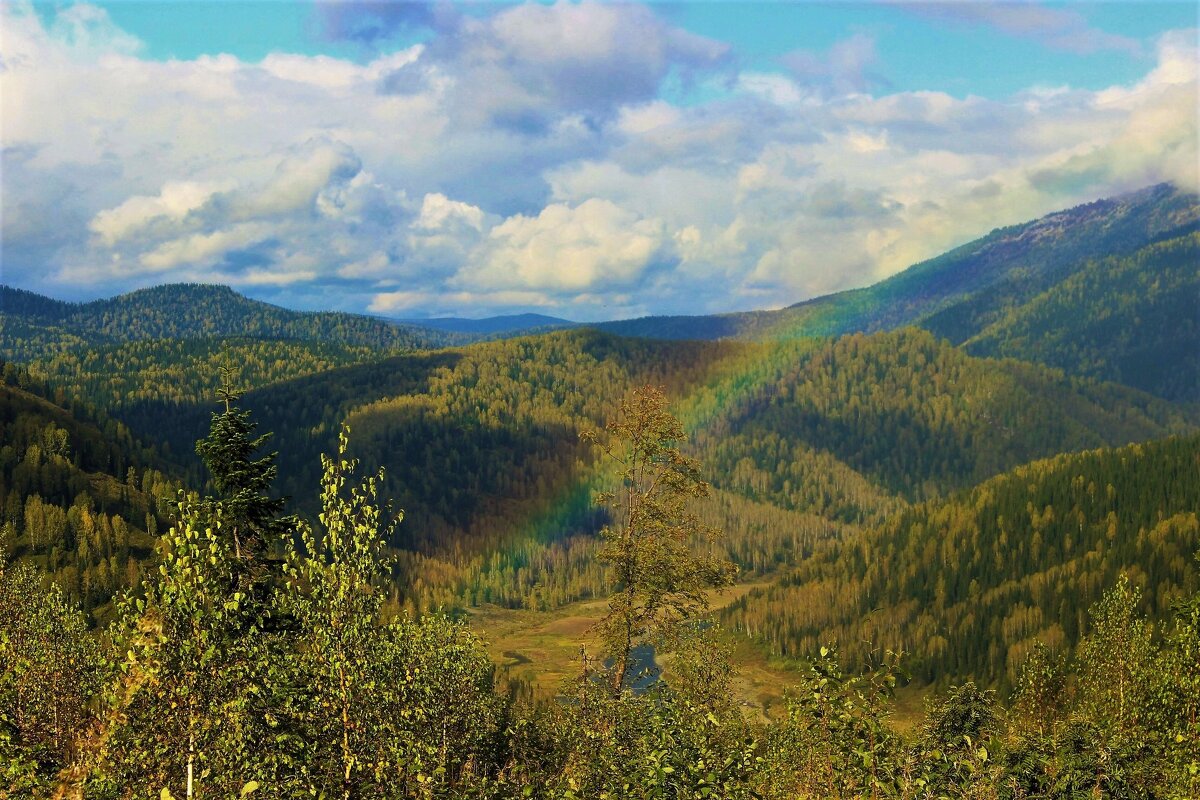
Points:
(565, 248)
(528, 157)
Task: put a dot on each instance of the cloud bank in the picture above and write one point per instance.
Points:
(529, 157)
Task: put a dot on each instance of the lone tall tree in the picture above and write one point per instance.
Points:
(242, 482)
(659, 579)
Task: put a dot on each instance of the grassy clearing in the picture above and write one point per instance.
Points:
(541, 649)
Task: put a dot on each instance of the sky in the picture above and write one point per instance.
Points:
(586, 160)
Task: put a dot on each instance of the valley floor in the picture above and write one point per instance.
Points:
(540, 650)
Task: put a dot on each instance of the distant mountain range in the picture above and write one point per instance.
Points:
(489, 326)
(1092, 271)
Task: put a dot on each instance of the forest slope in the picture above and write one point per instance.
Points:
(966, 585)
(1084, 272)
(79, 498)
(1131, 319)
(33, 325)
(482, 448)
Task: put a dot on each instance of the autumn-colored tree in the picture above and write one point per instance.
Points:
(659, 576)
(50, 668)
(182, 712)
(396, 709)
(337, 603)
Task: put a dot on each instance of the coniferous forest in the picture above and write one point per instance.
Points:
(951, 518)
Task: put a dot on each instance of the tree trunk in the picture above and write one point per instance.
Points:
(191, 758)
(347, 759)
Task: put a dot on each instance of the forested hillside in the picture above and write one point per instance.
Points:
(481, 442)
(918, 417)
(117, 377)
(79, 499)
(968, 585)
(957, 293)
(1131, 319)
(35, 327)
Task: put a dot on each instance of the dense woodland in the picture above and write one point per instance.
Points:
(188, 370)
(969, 585)
(229, 672)
(1132, 319)
(497, 485)
(197, 311)
(81, 500)
(981, 476)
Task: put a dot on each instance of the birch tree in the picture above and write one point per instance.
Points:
(658, 574)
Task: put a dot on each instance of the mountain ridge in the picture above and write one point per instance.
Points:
(190, 310)
(1156, 211)
(508, 324)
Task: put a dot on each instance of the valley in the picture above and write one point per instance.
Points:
(955, 464)
(809, 441)
(599, 400)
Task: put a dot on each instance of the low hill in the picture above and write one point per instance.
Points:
(188, 311)
(116, 377)
(920, 418)
(170, 343)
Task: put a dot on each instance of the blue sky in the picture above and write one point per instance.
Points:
(588, 160)
(920, 51)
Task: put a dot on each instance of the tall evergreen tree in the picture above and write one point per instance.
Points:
(242, 482)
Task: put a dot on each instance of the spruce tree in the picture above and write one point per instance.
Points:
(242, 482)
